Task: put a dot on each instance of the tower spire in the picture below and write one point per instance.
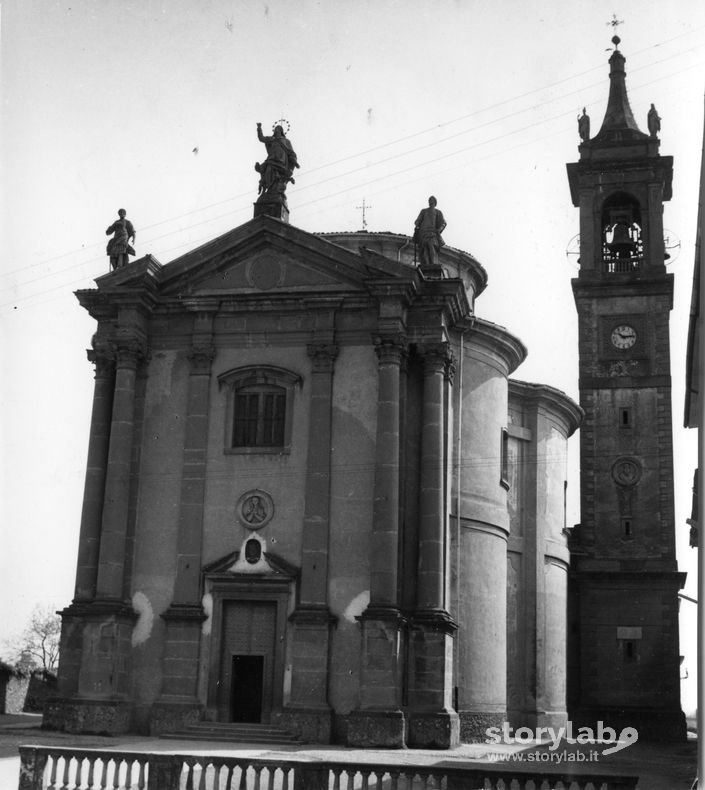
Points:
(619, 123)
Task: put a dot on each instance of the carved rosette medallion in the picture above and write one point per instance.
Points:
(626, 472)
(254, 509)
(265, 273)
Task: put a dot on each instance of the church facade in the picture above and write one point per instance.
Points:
(316, 498)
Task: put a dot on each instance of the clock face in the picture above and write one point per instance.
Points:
(623, 336)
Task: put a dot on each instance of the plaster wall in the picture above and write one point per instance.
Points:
(482, 542)
(157, 517)
(352, 486)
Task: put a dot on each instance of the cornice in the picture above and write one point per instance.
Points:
(496, 340)
(553, 400)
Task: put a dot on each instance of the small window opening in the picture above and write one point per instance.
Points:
(629, 651)
(627, 528)
(625, 418)
(504, 459)
(253, 551)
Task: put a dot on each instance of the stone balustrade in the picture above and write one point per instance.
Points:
(51, 768)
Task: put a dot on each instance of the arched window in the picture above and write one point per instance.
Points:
(622, 242)
(259, 409)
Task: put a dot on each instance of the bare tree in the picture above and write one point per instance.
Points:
(38, 646)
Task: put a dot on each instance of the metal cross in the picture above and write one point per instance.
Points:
(364, 208)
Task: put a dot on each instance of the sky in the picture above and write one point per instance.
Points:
(152, 106)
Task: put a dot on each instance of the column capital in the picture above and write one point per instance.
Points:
(129, 351)
(201, 357)
(437, 358)
(103, 359)
(391, 348)
(323, 356)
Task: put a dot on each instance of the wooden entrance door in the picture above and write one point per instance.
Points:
(247, 661)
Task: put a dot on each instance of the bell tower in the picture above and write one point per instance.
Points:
(623, 600)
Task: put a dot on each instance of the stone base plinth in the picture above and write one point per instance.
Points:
(312, 725)
(173, 716)
(652, 724)
(94, 716)
(272, 207)
(383, 729)
(474, 724)
(439, 730)
(431, 272)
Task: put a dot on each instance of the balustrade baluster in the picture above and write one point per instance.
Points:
(116, 763)
(188, 766)
(242, 779)
(104, 774)
(91, 772)
(128, 774)
(65, 778)
(78, 778)
(217, 768)
(52, 774)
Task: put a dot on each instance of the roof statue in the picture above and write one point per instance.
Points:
(427, 233)
(584, 126)
(653, 122)
(275, 172)
(119, 248)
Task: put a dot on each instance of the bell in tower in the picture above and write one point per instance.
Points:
(623, 658)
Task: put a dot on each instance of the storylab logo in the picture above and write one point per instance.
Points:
(525, 736)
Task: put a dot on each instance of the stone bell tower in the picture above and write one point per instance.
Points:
(623, 611)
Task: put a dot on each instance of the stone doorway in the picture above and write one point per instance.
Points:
(248, 642)
(249, 620)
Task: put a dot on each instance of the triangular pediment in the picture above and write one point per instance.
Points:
(270, 565)
(269, 256)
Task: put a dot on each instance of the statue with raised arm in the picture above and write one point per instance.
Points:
(427, 233)
(119, 248)
(584, 126)
(277, 169)
(653, 121)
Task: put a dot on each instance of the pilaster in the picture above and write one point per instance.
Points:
(379, 720)
(128, 352)
(179, 704)
(433, 723)
(96, 470)
(308, 712)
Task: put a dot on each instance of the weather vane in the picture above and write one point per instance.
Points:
(614, 23)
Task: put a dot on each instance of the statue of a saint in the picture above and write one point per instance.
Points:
(427, 233)
(653, 121)
(119, 246)
(584, 126)
(277, 169)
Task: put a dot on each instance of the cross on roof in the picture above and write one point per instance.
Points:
(364, 208)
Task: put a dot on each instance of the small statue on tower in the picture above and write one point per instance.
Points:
(653, 121)
(584, 126)
(275, 172)
(119, 248)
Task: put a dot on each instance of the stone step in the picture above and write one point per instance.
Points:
(228, 732)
